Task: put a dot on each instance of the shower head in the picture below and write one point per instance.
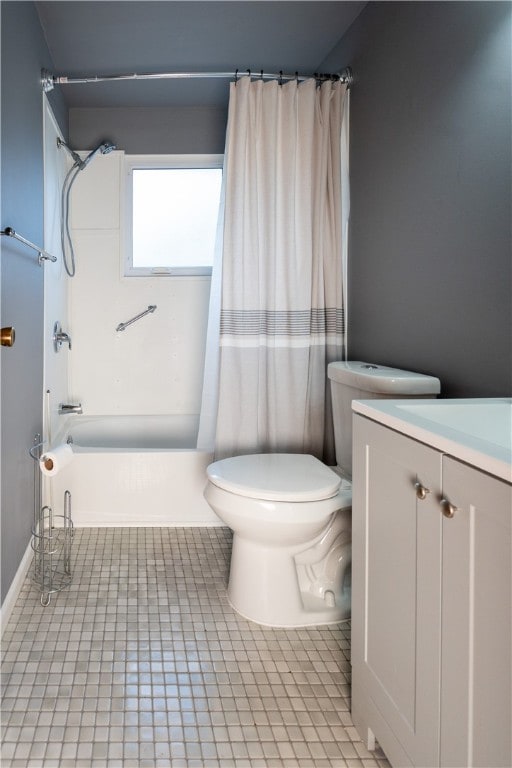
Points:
(105, 148)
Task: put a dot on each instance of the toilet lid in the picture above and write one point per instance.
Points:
(275, 476)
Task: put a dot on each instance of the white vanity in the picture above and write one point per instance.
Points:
(431, 594)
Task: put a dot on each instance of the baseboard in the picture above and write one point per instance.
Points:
(15, 588)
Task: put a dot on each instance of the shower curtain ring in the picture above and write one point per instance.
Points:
(280, 77)
(249, 73)
(236, 76)
(261, 75)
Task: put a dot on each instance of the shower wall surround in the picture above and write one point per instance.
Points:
(155, 366)
(56, 366)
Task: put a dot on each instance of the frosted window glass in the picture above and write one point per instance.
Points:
(175, 214)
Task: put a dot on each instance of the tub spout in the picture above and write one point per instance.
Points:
(65, 408)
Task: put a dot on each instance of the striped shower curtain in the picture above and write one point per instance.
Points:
(280, 270)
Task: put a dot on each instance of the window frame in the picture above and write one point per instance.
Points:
(157, 162)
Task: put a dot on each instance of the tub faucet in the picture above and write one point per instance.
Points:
(65, 408)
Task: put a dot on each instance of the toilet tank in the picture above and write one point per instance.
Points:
(355, 380)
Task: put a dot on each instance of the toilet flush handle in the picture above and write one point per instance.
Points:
(421, 491)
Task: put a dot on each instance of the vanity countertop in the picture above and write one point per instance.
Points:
(477, 431)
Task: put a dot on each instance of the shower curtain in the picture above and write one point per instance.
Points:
(278, 271)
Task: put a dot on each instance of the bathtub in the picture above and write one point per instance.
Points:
(133, 471)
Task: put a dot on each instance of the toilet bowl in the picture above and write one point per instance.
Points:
(291, 515)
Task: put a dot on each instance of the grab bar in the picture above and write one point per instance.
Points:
(147, 311)
(43, 255)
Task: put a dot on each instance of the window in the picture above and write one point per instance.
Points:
(172, 211)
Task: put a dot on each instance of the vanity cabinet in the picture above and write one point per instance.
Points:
(431, 604)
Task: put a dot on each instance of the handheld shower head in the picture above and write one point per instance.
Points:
(105, 148)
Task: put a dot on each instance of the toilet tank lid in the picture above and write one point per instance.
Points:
(275, 477)
(382, 379)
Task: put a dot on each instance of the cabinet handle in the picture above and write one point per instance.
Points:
(421, 491)
(447, 508)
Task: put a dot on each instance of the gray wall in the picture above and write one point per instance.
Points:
(24, 53)
(147, 130)
(430, 243)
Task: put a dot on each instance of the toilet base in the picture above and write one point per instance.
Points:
(267, 584)
(313, 616)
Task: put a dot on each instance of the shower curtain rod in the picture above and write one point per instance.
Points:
(49, 81)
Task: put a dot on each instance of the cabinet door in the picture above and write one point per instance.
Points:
(476, 619)
(396, 577)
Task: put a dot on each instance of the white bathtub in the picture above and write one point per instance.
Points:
(134, 471)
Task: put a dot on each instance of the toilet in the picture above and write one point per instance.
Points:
(291, 515)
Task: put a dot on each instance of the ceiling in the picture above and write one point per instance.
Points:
(118, 37)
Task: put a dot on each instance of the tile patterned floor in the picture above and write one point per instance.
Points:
(142, 663)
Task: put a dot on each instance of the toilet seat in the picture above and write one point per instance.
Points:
(291, 477)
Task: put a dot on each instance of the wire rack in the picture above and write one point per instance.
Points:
(52, 537)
